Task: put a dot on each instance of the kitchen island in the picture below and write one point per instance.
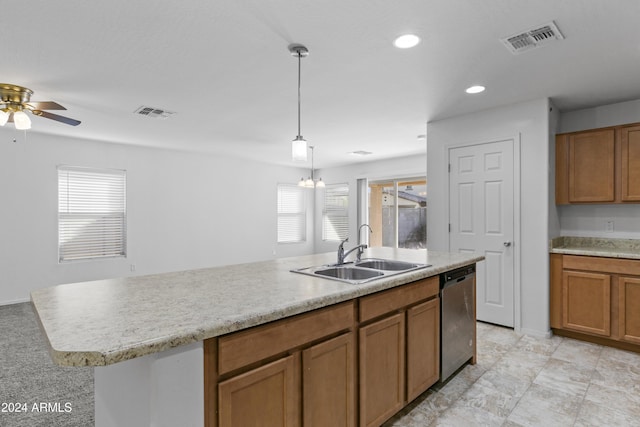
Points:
(145, 334)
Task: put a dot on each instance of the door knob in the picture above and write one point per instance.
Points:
(507, 244)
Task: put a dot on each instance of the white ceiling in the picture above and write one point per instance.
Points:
(223, 66)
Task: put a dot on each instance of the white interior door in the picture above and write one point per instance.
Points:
(481, 211)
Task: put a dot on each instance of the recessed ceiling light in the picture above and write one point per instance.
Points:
(406, 41)
(475, 89)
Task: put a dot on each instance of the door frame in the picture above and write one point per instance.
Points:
(517, 311)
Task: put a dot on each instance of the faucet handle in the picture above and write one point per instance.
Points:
(344, 241)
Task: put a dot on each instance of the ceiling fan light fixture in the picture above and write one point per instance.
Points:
(4, 117)
(21, 120)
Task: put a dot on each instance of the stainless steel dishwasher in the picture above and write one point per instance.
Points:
(457, 320)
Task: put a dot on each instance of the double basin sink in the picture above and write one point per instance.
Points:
(361, 271)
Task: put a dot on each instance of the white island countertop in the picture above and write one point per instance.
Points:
(103, 322)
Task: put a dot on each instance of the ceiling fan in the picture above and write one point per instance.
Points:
(15, 100)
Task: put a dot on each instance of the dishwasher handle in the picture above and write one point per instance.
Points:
(455, 281)
(457, 275)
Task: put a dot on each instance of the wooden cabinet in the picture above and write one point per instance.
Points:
(295, 371)
(423, 347)
(629, 309)
(353, 363)
(398, 348)
(596, 299)
(598, 166)
(382, 372)
(328, 374)
(586, 302)
(265, 396)
(630, 163)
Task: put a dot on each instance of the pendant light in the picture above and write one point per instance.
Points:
(311, 182)
(299, 145)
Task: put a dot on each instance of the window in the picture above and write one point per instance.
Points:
(91, 213)
(398, 213)
(292, 214)
(335, 214)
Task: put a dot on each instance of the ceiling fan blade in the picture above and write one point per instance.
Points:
(46, 105)
(56, 117)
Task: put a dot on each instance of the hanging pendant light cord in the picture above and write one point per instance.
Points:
(299, 74)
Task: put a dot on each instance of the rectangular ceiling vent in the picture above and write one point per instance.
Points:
(154, 113)
(534, 38)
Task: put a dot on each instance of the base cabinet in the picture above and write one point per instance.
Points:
(266, 396)
(354, 363)
(382, 375)
(586, 302)
(629, 309)
(423, 347)
(399, 348)
(328, 377)
(596, 299)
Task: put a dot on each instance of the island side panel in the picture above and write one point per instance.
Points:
(164, 390)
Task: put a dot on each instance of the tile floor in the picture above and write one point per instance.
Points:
(521, 380)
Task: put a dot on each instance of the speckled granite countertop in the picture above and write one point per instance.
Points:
(593, 246)
(107, 321)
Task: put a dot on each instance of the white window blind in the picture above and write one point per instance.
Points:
(335, 214)
(91, 213)
(292, 214)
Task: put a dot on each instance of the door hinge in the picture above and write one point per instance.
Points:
(449, 228)
(449, 167)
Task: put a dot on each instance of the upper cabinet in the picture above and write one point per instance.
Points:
(630, 164)
(598, 166)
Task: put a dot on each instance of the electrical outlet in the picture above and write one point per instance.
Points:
(608, 227)
(132, 267)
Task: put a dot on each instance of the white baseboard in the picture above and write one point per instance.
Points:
(17, 301)
(535, 333)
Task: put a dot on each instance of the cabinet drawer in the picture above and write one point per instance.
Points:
(245, 347)
(607, 265)
(394, 299)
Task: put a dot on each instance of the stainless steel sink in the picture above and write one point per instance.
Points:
(362, 271)
(349, 273)
(387, 264)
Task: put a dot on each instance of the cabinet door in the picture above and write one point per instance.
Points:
(328, 378)
(382, 372)
(591, 166)
(423, 347)
(267, 396)
(630, 163)
(586, 302)
(629, 309)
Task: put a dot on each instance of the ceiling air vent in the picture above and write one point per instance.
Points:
(533, 38)
(154, 113)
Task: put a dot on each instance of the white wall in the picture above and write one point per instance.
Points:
(554, 217)
(399, 167)
(184, 211)
(589, 220)
(530, 122)
(602, 116)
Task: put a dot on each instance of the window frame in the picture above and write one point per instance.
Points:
(92, 204)
(292, 214)
(335, 211)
